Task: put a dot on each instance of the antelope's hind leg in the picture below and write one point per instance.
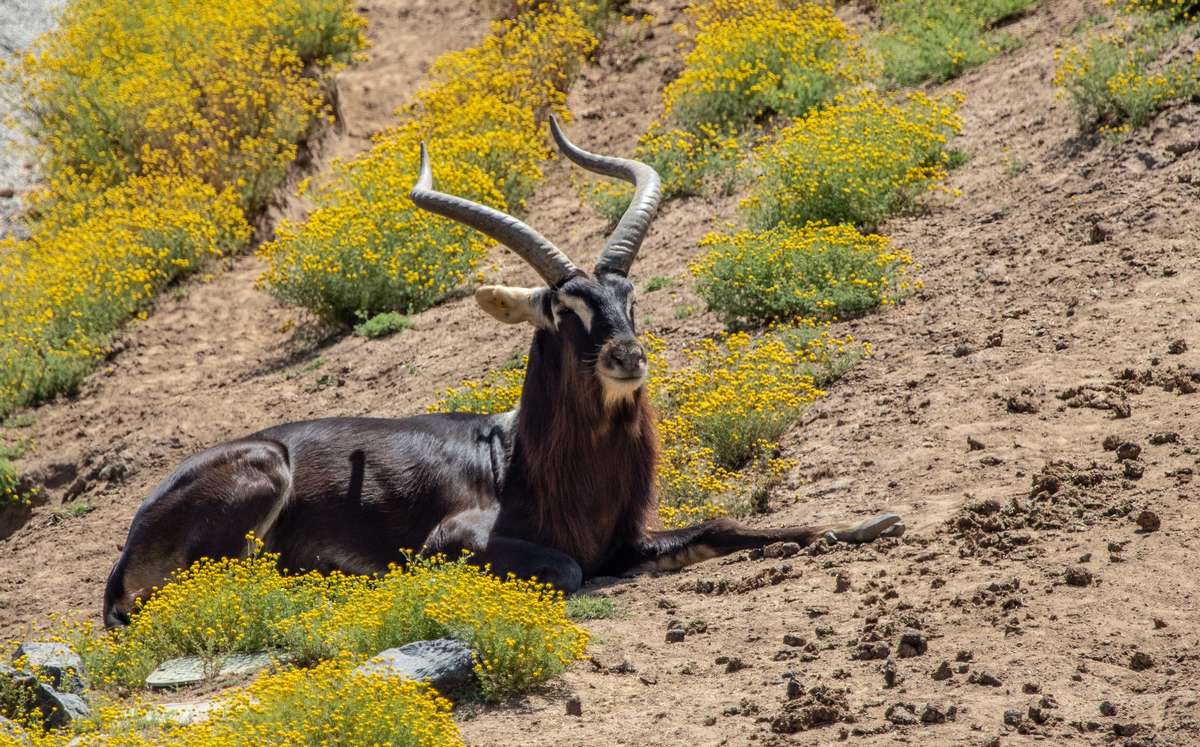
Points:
(204, 509)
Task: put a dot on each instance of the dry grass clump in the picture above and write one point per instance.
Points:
(1120, 78)
(218, 607)
(817, 271)
(935, 40)
(855, 161)
(366, 248)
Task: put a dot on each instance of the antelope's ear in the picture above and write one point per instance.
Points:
(516, 305)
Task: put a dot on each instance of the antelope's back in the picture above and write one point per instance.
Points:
(365, 488)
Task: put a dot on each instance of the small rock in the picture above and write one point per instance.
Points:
(1140, 661)
(1022, 405)
(1128, 451)
(710, 720)
(869, 651)
(781, 550)
(6, 193)
(984, 678)
(942, 672)
(58, 709)
(1133, 470)
(735, 665)
(1112, 441)
(1149, 521)
(1125, 730)
(1159, 623)
(933, 713)
(1100, 232)
(791, 639)
(794, 689)
(1177, 347)
(902, 714)
(574, 706)
(912, 643)
(963, 656)
(1107, 708)
(1164, 437)
(974, 444)
(961, 350)
(676, 635)
(889, 672)
(1013, 717)
(1077, 575)
(841, 583)
(995, 340)
(1031, 688)
(187, 713)
(445, 663)
(56, 661)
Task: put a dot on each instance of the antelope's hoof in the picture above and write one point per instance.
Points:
(885, 525)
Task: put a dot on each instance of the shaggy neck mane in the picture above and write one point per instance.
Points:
(588, 466)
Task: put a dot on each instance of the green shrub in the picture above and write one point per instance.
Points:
(817, 271)
(935, 40)
(382, 325)
(589, 607)
(855, 162)
(1121, 78)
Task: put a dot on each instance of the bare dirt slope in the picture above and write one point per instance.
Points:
(1057, 288)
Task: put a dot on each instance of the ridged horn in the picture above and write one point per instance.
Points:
(626, 238)
(531, 246)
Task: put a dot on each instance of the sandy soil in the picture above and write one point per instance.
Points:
(1057, 288)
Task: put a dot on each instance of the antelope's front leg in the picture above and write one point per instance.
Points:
(471, 531)
(677, 548)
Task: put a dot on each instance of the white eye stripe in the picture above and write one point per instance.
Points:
(580, 307)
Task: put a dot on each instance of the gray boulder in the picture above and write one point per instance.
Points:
(189, 670)
(445, 663)
(57, 708)
(55, 661)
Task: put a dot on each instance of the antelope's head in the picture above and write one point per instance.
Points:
(586, 335)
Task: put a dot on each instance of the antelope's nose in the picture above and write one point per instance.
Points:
(628, 357)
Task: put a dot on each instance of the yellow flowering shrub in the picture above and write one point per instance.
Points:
(366, 248)
(935, 40)
(213, 89)
(761, 57)
(329, 703)
(157, 126)
(498, 391)
(1121, 77)
(218, 607)
(818, 271)
(91, 264)
(856, 161)
(751, 59)
(1178, 10)
(10, 486)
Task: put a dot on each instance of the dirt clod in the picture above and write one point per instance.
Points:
(912, 643)
(1108, 708)
(1077, 575)
(1128, 451)
(1140, 660)
(821, 705)
(1177, 347)
(942, 672)
(974, 444)
(1149, 521)
(574, 706)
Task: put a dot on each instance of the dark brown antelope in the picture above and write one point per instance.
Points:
(562, 488)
